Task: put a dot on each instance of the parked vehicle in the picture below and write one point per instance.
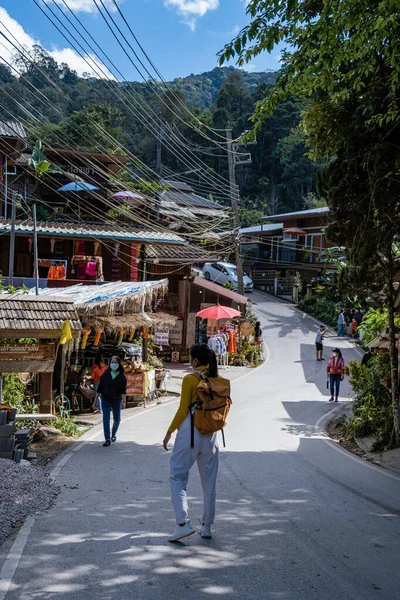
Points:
(223, 272)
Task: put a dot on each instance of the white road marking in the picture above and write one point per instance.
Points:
(14, 556)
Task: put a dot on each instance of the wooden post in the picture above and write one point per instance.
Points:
(186, 307)
(46, 392)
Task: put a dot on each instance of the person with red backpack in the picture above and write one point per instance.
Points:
(202, 412)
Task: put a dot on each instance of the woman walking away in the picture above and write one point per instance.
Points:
(341, 323)
(335, 372)
(96, 372)
(112, 388)
(204, 450)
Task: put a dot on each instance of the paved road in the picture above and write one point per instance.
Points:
(297, 519)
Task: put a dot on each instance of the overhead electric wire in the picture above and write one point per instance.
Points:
(176, 149)
(163, 80)
(102, 130)
(81, 202)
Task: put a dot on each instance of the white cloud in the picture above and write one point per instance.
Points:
(249, 67)
(191, 10)
(87, 6)
(19, 37)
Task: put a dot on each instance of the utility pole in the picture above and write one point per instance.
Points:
(234, 193)
(12, 240)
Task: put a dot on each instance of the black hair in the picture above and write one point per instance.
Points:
(206, 358)
(120, 368)
(337, 351)
(99, 358)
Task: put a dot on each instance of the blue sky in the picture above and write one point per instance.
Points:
(180, 36)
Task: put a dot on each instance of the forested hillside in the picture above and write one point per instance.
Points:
(61, 108)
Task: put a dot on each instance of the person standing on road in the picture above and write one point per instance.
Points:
(319, 347)
(112, 388)
(335, 373)
(96, 372)
(205, 449)
(341, 323)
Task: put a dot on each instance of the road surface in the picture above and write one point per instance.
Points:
(297, 519)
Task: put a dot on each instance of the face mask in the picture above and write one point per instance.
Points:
(114, 366)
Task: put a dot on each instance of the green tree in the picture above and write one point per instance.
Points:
(344, 65)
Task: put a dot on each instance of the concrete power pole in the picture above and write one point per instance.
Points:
(233, 160)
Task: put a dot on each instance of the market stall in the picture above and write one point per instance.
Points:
(118, 319)
(230, 336)
(38, 321)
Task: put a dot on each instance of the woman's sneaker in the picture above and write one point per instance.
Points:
(181, 531)
(205, 532)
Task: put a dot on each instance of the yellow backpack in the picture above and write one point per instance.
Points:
(210, 410)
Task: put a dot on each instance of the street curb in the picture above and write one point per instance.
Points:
(321, 427)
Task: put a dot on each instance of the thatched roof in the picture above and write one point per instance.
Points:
(113, 324)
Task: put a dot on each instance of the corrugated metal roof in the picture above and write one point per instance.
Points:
(171, 209)
(190, 253)
(189, 200)
(12, 129)
(257, 229)
(323, 210)
(83, 230)
(30, 313)
(177, 185)
(218, 289)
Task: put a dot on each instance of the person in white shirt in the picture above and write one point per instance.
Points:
(319, 347)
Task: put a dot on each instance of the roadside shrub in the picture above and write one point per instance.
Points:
(321, 308)
(14, 391)
(66, 425)
(372, 413)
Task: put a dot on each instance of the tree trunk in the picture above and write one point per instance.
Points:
(393, 360)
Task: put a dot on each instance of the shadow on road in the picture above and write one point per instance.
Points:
(106, 536)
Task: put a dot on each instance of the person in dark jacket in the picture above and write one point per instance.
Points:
(112, 388)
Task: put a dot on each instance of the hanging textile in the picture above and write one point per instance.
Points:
(83, 261)
(57, 270)
(91, 268)
(135, 252)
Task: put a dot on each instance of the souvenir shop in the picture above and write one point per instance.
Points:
(116, 320)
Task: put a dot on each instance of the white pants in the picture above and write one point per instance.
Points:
(205, 452)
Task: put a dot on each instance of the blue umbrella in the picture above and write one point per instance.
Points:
(77, 186)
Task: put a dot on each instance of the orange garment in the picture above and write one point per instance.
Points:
(96, 372)
(56, 272)
(52, 274)
(232, 342)
(61, 274)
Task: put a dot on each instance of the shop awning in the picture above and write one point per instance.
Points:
(219, 290)
(190, 254)
(110, 298)
(24, 316)
(98, 232)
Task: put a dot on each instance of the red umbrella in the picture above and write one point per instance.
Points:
(218, 312)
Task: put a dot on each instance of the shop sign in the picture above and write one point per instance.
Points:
(246, 328)
(161, 338)
(175, 334)
(135, 384)
(29, 358)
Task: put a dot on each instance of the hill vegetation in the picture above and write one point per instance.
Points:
(61, 108)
